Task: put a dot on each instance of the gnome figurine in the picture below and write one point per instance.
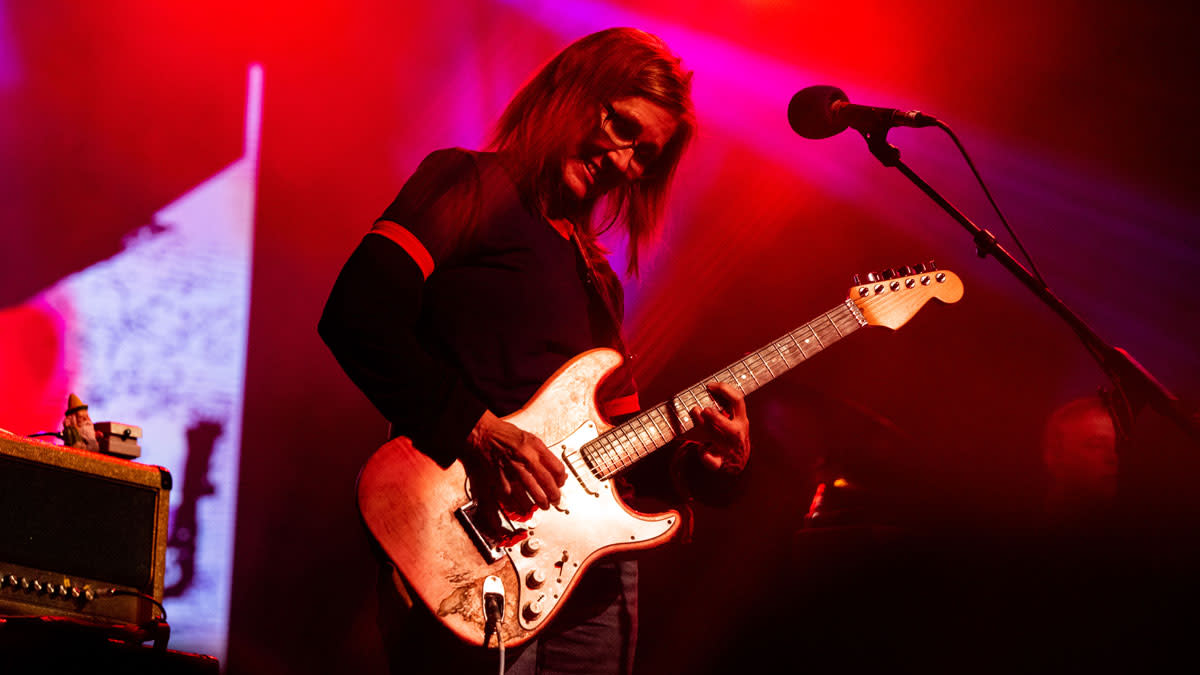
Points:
(78, 430)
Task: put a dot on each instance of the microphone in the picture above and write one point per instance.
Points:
(822, 111)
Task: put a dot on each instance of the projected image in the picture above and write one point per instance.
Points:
(155, 336)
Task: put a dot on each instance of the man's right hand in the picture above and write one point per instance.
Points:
(511, 468)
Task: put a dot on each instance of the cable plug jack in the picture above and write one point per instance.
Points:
(493, 606)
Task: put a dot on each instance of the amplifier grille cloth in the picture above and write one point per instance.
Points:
(77, 524)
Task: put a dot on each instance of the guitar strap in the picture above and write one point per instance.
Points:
(628, 402)
(627, 405)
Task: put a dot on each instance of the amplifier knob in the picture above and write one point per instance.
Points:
(88, 595)
(12, 580)
(75, 593)
(37, 585)
(62, 590)
(24, 584)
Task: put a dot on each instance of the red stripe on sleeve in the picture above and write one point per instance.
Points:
(407, 241)
(622, 406)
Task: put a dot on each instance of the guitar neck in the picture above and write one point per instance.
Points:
(623, 445)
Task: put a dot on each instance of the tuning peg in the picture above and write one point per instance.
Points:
(918, 268)
(855, 281)
(902, 271)
(886, 274)
(930, 266)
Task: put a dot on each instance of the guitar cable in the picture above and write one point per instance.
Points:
(493, 609)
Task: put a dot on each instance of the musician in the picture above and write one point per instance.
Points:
(1079, 450)
(484, 276)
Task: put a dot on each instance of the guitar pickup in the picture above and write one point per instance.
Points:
(490, 541)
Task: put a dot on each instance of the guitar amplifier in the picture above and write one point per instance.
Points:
(82, 535)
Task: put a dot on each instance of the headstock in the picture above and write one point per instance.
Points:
(891, 297)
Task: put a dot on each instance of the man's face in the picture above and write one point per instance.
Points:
(623, 146)
(1083, 456)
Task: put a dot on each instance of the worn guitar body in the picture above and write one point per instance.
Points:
(426, 522)
(415, 510)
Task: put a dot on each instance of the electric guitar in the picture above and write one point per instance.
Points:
(425, 521)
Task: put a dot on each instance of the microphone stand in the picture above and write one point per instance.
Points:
(1133, 387)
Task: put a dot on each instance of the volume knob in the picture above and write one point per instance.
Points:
(531, 546)
(535, 578)
(534, 609)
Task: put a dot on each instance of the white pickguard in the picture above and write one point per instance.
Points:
(563, 540)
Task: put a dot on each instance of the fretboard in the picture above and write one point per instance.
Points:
(623, 445)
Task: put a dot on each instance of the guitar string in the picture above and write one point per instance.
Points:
(623, 445)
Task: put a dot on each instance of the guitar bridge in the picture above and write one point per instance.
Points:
(490, 540)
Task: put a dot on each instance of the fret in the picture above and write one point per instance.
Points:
(596, 454)
(792, 336)
(830, 332)
(831, 323)
(605, 467)
(616, 450)
(845, 325)
(661, 410)
(663, 439)
(619, 442)
(681, 415)
(779, 354)
(611, 452)
(806, 341)
(750, 370)
(664, 413)
(728, 377)
(774, 359)
(633, 444)
(646, 438)
(847, 317)
(814, 334)
(740, 373)
(657, 426)
(765, 365)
